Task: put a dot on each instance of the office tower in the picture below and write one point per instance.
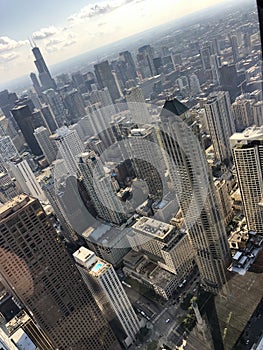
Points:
(49, 118)
(194, 85)
(242, 113)
(56, 104)
(48, 147)
(69, 146)
(102, 97)
(137, 106)
(257, 109)
(47, 82)
(105, 78)
(190, 174)
(44, 279)
(78, 80)
(220, 123)
(100, 186)
(234, 45)
(214, 62)
(129, 65)
(7, 102)
(74, 103)
(23, 114)
(182, 83)
(108, 291)
(141, 147)
(163, 243)
(145, 61)
(247, 43)
(53, 196)
(224, 200)
(7, 148)
(8, 188)
(229, 80)
(248, 156)
(36, 84)
(205, 54)
(26, 179)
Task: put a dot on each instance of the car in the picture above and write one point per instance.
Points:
(168, 320)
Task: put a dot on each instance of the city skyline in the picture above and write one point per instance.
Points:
(62, 36)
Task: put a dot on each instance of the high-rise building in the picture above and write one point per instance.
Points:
(74, 103)
(105, 78)
(193, 182)
(242, 113)
(23, 114)
(8, 188)
(220, 123)
(69, 146)
(234, 45)
(248, 157)
(101, 188)
(26, 179)
(145, 61)
(45, 78)
(129, 67)
(49, 117)
(108, 291)
(257, 109)
(43, 277)
(137, 106)
(48, 147)
(205, 54)
(7, 148)
(36, 84)
(229, 80)
(54, 100)
(194, 85)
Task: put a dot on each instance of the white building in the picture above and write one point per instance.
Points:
(137, 106)
(48, 147)
(98, 273)
(69, 147)
(26, 179)
(220, 123)
(248, 156)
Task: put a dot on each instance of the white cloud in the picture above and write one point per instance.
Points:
(7, 44)
(45, 32)
(7, 57)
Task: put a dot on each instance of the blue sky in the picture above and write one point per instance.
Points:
(66, 28)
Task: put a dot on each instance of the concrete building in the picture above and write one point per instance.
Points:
(26, 179)
(248, 156)
(43, 277)
(48, 147)
(105, 78)
(137, 106)
(220, 123)
(193, 182)
(69, 147)
(257, 109)
(242, 114)
(104, 283)
(8, 188)
(7, 148)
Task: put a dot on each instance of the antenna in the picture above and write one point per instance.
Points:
(30, 42)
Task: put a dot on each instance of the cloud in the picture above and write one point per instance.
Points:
(69, 43)
(7, 57)
(97, 9)
(7, 44)
(45, 32)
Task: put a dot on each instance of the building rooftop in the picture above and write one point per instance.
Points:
(252, 133)
(152, 227)
(14, 205)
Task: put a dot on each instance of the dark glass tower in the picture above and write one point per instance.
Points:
(45, 78)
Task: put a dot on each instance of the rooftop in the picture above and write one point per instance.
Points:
(152, 227)
(252, 133)
(14, 205)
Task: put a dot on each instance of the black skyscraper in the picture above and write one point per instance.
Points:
(45, 78)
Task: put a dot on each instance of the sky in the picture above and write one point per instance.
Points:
(66, 28)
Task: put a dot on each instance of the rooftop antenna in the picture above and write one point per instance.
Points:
(30, 42)
(35, 45)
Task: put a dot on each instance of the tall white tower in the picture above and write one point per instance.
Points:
(220, 123)
(101, 277)
(48, 147)
(248, 157)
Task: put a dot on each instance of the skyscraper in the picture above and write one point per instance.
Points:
(74, 103)
(26, 179)
(7, 148)
(45, 280)
(45, 78)
(193, 182)
(248, 157)
(220, 123)
(105, 78)
(242, 113)
(145, 61)
(48, 147)
(23, 114)
(136, 104)
(129, 67)
(108, 291)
